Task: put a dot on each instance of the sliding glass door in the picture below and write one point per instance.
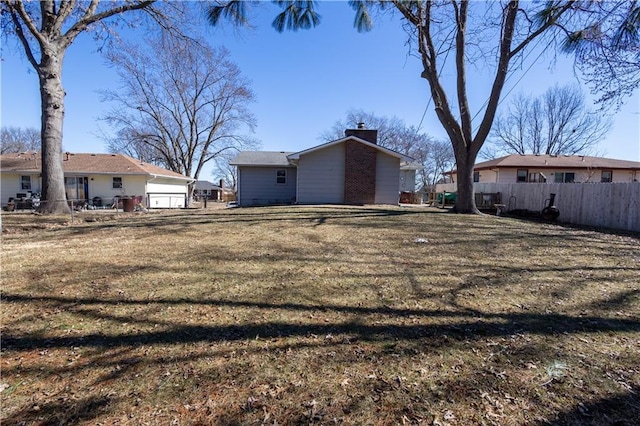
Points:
(76, 188)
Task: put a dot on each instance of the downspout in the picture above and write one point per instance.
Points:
(295, 164)
(146, 189)
(238, 186)
(188, 200)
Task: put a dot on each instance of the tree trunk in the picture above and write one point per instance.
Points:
(465, 199)
(52, 96)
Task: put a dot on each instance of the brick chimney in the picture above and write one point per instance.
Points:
(360, 167)
(363, 133)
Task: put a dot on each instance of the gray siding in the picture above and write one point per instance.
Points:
(387, 178)
(407, 180)
(321, 176)
(258, 186)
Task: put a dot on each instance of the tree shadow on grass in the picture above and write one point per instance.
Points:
(618, 410)
(452, 329)
(246, 216)
(64, 412)
(462, 324)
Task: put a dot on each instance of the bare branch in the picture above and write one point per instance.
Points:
(182, 100)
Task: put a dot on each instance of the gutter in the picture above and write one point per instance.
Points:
(154, 177)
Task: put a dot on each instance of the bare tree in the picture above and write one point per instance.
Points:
(127, 141)
(393, 133)
(45, 30)
(491, 35)
(556, 123)
(17, 139)
(606, 48)
(389, 128)
(226, 172)
(441, 160)
(181, 102)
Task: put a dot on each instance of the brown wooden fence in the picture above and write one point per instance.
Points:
(609, 205)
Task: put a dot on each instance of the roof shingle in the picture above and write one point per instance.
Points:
(261, 158)
(560, 161)
(87, 163)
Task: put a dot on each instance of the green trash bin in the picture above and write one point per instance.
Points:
(447, 197)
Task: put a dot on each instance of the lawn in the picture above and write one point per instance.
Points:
(317, 315)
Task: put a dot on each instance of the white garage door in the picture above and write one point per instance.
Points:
(167, 200)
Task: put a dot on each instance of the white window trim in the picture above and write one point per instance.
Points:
(22, 182)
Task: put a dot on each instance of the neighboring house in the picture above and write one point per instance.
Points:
(96, 179)
(554, 169)
(204, 189)
(351, 170)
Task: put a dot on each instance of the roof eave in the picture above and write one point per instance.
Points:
(187, 178)
(296, 155)
(261, 165)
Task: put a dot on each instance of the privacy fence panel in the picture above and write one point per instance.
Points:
(609, 205)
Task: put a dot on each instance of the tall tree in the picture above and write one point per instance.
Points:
(127, 141)
(442, 160)
(498, 34)
(607, 49)
(435, 156)
(181, 101)
(17, 139)
(556, 123)
(226, 172)
(45, 30)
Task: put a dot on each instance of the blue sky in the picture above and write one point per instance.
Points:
(304, 82)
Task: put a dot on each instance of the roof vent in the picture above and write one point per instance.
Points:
(361, 125)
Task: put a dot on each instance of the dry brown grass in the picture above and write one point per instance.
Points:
(317, 315)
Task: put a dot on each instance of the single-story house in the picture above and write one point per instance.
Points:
(204, 189)
(96, 179)
(554, 169)
(350, 170)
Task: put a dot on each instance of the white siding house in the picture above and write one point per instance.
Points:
(96, 180)
(517, 168)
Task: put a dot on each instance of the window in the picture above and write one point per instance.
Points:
(564, 177)
(537, 177)
(607, 176)
(117, 183)
(25, 182)
(281, 176)
(522, 175)
(476, 176)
